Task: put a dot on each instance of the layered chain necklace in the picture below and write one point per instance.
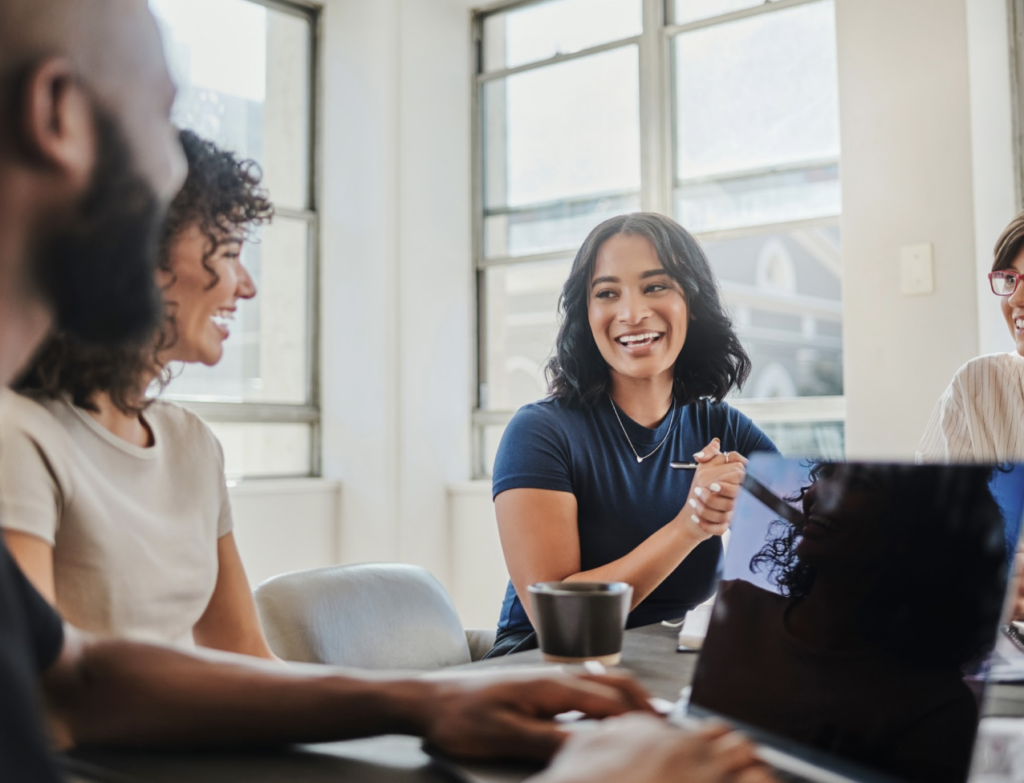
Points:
(671, 421)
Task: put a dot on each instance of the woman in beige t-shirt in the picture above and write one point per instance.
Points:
(115, 506)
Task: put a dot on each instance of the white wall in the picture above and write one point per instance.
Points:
(286, 525)
(478, 574)
(907, 174)
(397, 280)
(991, 153)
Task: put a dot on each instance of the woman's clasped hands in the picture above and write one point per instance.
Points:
(716, 485)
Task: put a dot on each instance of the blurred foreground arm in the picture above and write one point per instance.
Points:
(119, 693)
(643, 749)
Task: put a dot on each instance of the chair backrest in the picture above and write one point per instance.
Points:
(371, 616)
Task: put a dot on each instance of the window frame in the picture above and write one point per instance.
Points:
(1015, 25)
(657, 192)
(308, 413)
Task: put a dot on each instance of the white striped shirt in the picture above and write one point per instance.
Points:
(980, 416)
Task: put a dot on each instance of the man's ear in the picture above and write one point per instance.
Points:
(57, 125)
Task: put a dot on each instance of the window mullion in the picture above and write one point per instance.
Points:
(654, 166)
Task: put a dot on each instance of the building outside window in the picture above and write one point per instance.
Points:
(720, 113)
(245, 71)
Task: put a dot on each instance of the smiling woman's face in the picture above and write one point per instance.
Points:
(201, 305)
(1013, 307)
(637, 312)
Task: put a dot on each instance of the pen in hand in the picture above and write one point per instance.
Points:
(683, 465)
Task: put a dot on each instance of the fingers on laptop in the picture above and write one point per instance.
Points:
(634, 694)
(513, 718)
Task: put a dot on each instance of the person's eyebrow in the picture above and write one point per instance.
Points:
(653, 273)
(606, 279)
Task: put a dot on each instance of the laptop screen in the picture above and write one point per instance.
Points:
(852, 621)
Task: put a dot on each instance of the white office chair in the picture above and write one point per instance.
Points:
(370, 616)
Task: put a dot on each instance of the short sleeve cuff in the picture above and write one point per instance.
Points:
(529, 481)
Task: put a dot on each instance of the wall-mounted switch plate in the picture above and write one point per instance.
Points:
(917, 274)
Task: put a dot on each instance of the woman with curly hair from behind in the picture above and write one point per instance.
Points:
(114, 503)
(834, 649)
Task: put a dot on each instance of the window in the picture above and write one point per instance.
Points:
(245, 72)
(721, 113)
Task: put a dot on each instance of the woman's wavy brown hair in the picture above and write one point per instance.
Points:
(1009, 245)
(222, 195)
(712, 360)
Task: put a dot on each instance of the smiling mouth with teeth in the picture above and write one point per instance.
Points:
(1018, 324)
(223, 317)
(645, 338)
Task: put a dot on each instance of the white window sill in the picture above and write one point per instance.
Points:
(474, 488)
(283, 486)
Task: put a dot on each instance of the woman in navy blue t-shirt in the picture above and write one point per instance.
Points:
(582, 484)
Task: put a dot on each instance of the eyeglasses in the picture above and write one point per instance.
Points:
(1003, 283)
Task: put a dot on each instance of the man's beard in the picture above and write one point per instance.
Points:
(99, 273)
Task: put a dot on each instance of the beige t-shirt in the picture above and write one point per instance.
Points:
(134, 530)
(980, 416)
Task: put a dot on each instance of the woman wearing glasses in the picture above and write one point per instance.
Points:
(980, 416)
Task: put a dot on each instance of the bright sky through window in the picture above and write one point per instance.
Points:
(537, 32)
(217, 45)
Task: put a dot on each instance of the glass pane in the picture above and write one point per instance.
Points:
(685, 11)
(537, 32)
(785, 297)
(562, 226)
(757, 93)
(266, 357)
(248, 91)
(252, 450)
(564, 131)
(814, 440)
(714, 205)
(522, 300)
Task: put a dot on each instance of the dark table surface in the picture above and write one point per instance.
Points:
(649, 653)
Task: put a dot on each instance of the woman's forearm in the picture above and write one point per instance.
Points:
(651, 562)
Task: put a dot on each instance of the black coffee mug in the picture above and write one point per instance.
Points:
(581, 621)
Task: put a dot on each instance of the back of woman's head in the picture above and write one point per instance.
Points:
(221, 195)
(943, 546)
(711, 362)
(948, 550)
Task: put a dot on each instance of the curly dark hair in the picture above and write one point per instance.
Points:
(222, 195)
(948, 554)
(712, 360)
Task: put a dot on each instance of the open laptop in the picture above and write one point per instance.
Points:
(821, 645)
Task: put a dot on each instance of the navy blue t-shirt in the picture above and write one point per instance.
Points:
(620, 502)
